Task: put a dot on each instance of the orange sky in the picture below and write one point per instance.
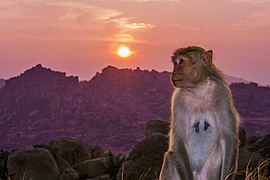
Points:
(79, 36)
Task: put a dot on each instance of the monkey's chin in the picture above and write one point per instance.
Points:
(182, 84)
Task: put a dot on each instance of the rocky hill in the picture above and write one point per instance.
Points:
(110, 110)
(2, 83)
(231, 79)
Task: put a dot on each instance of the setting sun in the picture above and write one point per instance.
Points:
(124, 51)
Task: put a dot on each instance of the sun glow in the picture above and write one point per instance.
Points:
(124, 52)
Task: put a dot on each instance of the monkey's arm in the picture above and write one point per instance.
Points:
(229, 147)
(173, 167)
(168, 170)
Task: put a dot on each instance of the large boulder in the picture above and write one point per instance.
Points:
(247, 160)
(69, 174)
(37, 164)
(156, 126)
(102, 177)
(242, 137)
(69, 152)
(92, 168)
(262, 145)
(145, 159)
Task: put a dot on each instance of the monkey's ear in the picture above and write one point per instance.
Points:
(208, 56)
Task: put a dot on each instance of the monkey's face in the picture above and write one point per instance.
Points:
(188, 71)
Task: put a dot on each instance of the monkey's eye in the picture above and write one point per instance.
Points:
(180, 61)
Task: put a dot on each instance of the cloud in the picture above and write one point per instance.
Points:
(255, 20)
(138, 26)
(144, 0)
(251, 1)
(179, 26)
(69, 20)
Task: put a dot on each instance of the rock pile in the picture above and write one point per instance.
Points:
(65, 159)
(72, 159)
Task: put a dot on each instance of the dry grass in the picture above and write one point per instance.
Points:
(24, 177)
(259, 172)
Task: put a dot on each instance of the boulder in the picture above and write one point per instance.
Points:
(92, 168)
(37, 164)
(262, 145)
(145, 159)
(247, 158)
(242, 137)
(63, 165)
(156, 126)
(69, 174)
(71, 150)
(102, 177)
(97, 152)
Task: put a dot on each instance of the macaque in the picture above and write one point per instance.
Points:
(203, 141)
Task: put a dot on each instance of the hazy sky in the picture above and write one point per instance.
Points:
(80, 36)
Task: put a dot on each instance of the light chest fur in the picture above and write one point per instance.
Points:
(191, 108)
(195, 99)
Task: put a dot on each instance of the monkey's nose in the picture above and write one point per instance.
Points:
(174, 73)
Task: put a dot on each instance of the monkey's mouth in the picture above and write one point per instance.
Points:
(177, 80)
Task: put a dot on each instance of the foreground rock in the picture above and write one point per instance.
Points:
(145, 159)
(156, 126)
(102, 177)
(69, 152)
(69, 174)
(92, 168)
(66, 159)
(37, 164)
(242, 137)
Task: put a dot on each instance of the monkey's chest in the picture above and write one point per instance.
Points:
(203, 138)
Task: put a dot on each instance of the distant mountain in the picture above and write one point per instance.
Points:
(231, 79)
(110, 110)
(2, 83)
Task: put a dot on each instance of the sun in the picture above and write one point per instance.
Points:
(124, 52)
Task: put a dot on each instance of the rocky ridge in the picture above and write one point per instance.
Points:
(2, 83)
(110, 110)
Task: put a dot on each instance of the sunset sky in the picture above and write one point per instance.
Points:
(80, 37)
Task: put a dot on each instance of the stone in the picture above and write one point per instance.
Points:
(92, 168)
(145, 159)
(242, 137)
(63, 165)
(156, 126)
(102, 177)
(262, 145)
(248, 158)
(37, 164)
(69, 174)
(71, 150)
(97, 152)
